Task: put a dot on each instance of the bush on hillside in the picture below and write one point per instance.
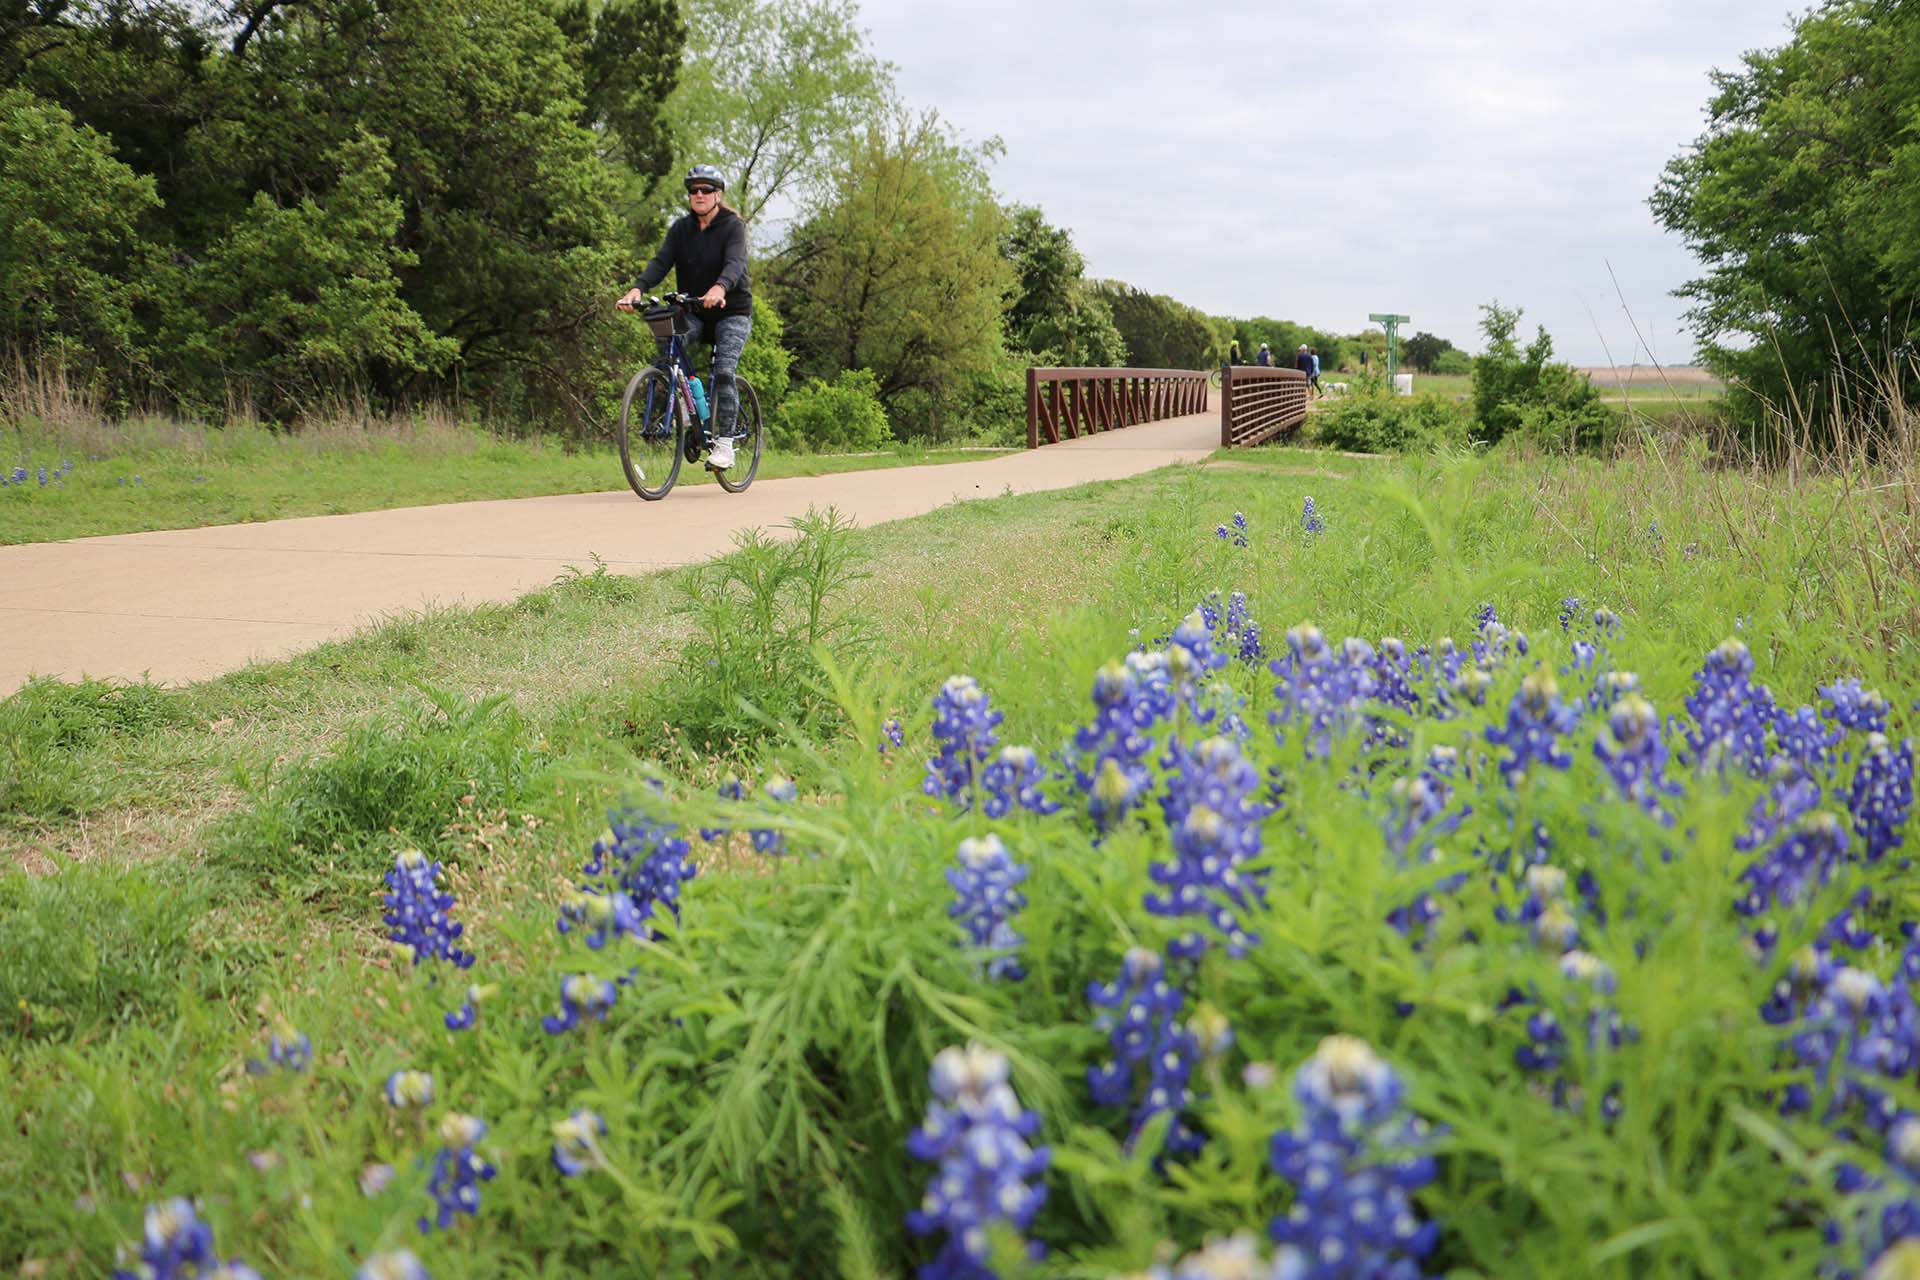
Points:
(1526, 393)
(1376, 421)
(1453, 363)
(841, 414)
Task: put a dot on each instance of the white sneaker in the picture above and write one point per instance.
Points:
(720, 455)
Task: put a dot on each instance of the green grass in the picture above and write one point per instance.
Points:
(761, 1073)
(170, 476)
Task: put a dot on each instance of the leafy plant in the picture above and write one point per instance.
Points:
(765, 617)
(48, 728)
(842, 414)
(1524, 391)
(391, 781)
(1375, 420)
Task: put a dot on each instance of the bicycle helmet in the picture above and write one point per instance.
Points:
(705, 173)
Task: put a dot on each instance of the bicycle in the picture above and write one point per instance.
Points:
(670, 427)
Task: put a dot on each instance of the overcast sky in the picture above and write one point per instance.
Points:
(1317, 162)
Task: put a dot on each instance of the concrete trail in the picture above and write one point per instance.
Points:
(187, 604)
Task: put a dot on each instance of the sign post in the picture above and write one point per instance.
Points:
(1392, 325)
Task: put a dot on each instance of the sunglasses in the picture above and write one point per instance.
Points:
(701, 191)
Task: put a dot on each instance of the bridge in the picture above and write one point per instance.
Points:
(1256, 403)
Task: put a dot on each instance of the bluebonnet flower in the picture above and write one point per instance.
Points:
(1731, 714)
(581, 995)
(771, 840)
(1310, 521)
(1013, 778)
(986, 901)
(458, 1171)
(1236, 1257)
(19, 475)
(417, 914)
(1237, 534)
(647, 861)
(1803, 737)
(1190, 659)
(1243, 633)
(43, 475)
(1322, 691)
(1789, 872)
(891, 733)
(1354, 1159)
(1634, 755)
(1213, 824)
(1569, 609)
(988, 1172)
(963, 725)
(1857, 1035)
(599, 917)
(1546, 1049)
(409, 1089)
(1881, 796)
(1497, 643)
(375, 1178)
(1791, 795)
(400, 1264)
(731, 788)
(1393, 675)
(1129, 698)
(1536, 719)
(1852, 706)
(176, 1245)
(1143, 1026)
(287, 1050)
(463, 1018)
(576, 1142)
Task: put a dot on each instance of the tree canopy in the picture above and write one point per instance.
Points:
(1802, 200)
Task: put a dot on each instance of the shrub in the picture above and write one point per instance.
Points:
(95, 944)
(842, 414)
(1521, 392)
(1375, 421)
(47, 728)
(390, 782)
(1453, 363)
(763, 616)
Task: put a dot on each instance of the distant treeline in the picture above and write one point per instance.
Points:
(271, 208)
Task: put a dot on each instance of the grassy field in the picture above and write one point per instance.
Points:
(157, 475)
(203, 866)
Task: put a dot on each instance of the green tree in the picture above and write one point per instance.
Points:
(72, 261)
(302, 303)
(1799, 201)
(1423, 351)
(1054, 315)
(900, 270)
(771, 89)
(627, 55)
(1159, 332)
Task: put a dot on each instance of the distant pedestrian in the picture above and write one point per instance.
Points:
(1314, 376)
(1303, 361)
(1363, 359)
(1265, 356)
(1233, 352)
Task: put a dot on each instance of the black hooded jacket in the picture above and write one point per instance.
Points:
(704, 258)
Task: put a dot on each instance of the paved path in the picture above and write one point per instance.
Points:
(186, 604)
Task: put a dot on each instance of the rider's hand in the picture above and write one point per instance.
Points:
(628, 299)
(714, 297)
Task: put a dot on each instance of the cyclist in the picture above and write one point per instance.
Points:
(707, 249)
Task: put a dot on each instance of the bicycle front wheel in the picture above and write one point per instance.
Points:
(746, 441)
(650, 429)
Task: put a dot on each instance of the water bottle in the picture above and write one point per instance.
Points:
(699, 400)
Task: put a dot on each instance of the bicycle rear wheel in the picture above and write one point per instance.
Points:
(650, 429)
(746, 441)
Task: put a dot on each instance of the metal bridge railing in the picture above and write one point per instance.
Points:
(1258, 403)
(1066, 403)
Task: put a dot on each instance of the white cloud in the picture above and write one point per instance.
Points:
(1318, 162)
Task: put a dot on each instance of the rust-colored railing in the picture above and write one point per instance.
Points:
(1258, 403)
(1065, 403)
